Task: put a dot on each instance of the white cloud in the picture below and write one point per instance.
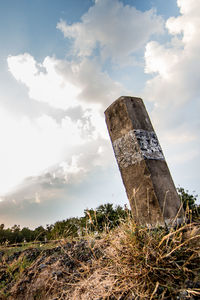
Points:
(37, 198)
(179, 136)
(64, 84)
(119, 30)
(160, 59)
(185, 156)
(174, 87)
(96, 87)
(28, 147)
(86, 158)
(42, 80)
(177, 65)
(42, 142)
(189, 6)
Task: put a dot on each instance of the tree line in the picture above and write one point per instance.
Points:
(104, 217)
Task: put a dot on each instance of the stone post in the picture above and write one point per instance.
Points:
(149, 186)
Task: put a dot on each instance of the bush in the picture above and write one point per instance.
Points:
(190, 206)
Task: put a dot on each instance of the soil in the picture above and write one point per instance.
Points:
(47, 274)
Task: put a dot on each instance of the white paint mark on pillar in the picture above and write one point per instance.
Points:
(127, 150)
(136, 146)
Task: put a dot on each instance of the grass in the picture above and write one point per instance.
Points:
(12, 273)
(15, 269)
(132, 263)
(144, 264)
(40, 246)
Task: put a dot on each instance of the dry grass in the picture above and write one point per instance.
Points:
(143, 264)
(127, 263)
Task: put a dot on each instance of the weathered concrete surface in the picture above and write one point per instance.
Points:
(146, 177)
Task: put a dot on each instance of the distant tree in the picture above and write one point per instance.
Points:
(27, 234)
(189, 203)
(65, 228)
(2, 226)
(39, 233)
(49, 229)
(187, 199)
(2, 234)
(105, 217)
(16, 236)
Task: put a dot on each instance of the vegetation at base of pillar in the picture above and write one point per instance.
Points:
(103, 218)
(127, 262)
(112, 258)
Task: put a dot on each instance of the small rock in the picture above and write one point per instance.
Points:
(183, 295)
(42, 266)
(57, 274)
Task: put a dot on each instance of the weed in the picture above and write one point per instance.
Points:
(128, 262)
(144, 263)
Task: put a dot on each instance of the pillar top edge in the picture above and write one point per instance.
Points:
(122, 98)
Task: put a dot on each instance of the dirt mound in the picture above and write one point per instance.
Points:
(48, 274)
(125, 264)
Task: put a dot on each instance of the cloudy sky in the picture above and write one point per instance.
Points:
(62, 63)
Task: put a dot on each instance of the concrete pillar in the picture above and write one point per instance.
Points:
(146, 177)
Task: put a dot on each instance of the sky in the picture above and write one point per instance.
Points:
(62, 63)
